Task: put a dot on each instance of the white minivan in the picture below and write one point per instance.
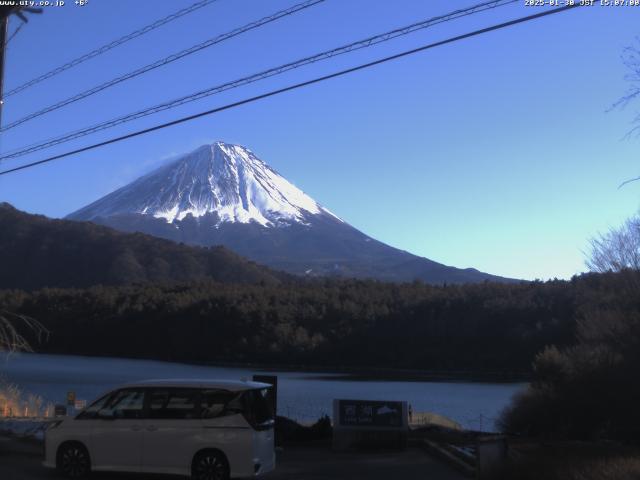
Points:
(208, 430)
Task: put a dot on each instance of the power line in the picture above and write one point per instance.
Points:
(165, 61)
(367, 42)
(109, 46)
(297, 86)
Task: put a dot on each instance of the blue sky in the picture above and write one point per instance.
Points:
(495, 152)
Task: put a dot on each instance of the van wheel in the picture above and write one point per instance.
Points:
(210, 465)
(73, 461)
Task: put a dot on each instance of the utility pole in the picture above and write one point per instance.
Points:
(5, 12)
(4, 28)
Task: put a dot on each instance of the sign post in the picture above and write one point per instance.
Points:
(60, 411)
(273, 391)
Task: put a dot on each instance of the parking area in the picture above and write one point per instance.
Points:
(321, 464)
(20, 460)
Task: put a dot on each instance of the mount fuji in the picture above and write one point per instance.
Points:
(222, 194)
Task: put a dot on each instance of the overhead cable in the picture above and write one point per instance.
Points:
(105, 48)
(296, 86)
(365, 43)
(163, 61)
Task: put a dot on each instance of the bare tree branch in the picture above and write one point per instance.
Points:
(11, 338)
(631, 60)
(618, 250)
(631, 180)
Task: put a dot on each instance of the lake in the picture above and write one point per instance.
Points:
(302, 396)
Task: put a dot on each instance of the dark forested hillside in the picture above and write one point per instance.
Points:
(481, 327)
(140, 296)
(37, 252)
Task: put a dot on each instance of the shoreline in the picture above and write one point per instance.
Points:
(345, 373)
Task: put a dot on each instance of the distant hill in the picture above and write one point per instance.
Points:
(36, 252)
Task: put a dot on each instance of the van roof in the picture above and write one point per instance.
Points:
(231, 385)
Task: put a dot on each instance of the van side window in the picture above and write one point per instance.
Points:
(127, 403)
(173, 403)
(216, 403)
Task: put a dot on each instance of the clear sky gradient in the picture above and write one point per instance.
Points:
(496, 152)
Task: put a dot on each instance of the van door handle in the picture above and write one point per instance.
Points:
(152, 428)
(136, 428)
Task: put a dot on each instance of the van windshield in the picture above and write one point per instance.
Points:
(91, 411)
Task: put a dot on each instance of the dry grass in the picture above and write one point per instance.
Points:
(622, 468)
(14, 402)
(433, 419)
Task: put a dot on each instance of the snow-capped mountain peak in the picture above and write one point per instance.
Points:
(222, 194)
(225, 179)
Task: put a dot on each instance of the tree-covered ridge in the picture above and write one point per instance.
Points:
(37, 252)
(481, 327)
(589, 390)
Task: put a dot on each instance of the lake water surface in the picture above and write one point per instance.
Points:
(302, 396)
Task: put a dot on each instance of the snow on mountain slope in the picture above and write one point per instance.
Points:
(228, 180)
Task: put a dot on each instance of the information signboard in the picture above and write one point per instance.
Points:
(369, 424)
(370, 413)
